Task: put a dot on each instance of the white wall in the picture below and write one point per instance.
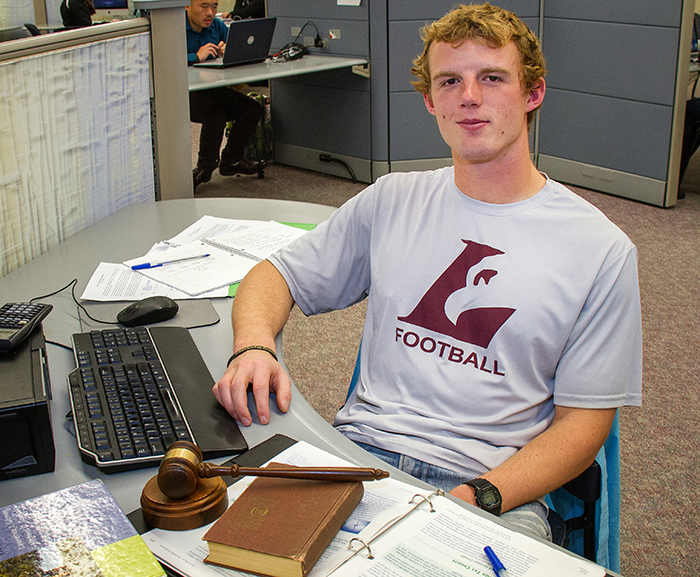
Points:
(16, 12)
(75, 142)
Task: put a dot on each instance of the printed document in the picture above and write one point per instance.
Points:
(117, 282)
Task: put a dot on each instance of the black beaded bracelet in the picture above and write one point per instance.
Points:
(251, 348)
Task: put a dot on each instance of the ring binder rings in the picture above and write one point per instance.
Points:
(364, 546)
(385, 527)
(427, 499)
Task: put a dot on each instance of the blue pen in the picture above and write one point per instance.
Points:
(498, 567)
(146, 265)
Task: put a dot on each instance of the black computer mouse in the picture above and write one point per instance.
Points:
(147, 311)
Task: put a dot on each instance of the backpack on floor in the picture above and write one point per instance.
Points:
(263, 133)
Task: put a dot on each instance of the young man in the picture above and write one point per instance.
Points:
(503, 324)
(215, 107)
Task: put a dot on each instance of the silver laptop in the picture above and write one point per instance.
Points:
(248, 41)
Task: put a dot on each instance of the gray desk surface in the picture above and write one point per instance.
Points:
(203, 78)
(129, 232)
(137, 228)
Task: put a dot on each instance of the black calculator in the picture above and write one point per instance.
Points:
(17, 320)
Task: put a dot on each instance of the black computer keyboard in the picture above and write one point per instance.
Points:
(136, 391)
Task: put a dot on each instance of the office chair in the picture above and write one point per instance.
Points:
(33, 30)
(586, 487)
(585, 513)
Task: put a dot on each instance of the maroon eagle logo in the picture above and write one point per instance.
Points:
(441, 308)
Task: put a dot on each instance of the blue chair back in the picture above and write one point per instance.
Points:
(355, 374)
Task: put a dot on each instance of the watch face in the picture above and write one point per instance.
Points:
(489, 498)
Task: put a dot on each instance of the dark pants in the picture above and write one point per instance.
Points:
(215, 107)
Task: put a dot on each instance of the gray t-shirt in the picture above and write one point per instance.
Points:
(480, 316)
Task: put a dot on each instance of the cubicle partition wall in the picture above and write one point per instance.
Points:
(613, 114)
(75, 134)
(15, 13)
(327, 112)
(612, 118)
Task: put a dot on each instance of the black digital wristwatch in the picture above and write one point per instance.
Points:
(487, 495)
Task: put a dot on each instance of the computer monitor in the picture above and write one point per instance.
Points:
(112, 10)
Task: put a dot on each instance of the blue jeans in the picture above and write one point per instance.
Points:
(530, 518)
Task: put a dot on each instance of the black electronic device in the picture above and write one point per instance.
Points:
(147, 311)
(292, 51)
(25, 410)
(487, 495)
(136, 391)
(18, 320)
(248, 42)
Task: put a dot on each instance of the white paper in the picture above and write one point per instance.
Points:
(450, 541)
(117, 282)
(209, 226)
(231, 255)
(260, 242)
(349, 2)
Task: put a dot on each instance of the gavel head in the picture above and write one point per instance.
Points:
(177, 475)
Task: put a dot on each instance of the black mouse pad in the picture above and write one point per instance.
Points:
(192, 312)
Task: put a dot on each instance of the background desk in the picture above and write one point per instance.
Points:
(203, 78)
(125, 234)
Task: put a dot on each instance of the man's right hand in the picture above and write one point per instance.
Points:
(265, 374)
(260, 310)
(206, 51)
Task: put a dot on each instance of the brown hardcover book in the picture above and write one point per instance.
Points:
(281, 527)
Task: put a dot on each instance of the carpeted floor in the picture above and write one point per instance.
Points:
(660, 441)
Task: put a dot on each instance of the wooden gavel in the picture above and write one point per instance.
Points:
(182, 467)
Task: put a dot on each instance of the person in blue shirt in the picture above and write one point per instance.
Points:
(215, 107)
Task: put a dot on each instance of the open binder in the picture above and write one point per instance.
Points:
(434, 535)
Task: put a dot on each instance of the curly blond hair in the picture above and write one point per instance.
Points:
(490, 25)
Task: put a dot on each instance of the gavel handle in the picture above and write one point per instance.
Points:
(207, 470)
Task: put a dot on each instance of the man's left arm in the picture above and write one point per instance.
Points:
(551, 459)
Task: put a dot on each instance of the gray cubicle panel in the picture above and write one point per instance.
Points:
(381, 126)
(313, 9)
(652, 13)
(326, 112)
(435, 9)
(413, 131)
(329, 112)
(608, 118)
(611, 120)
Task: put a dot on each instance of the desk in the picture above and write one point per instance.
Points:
(203, 78)
(136, 228)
